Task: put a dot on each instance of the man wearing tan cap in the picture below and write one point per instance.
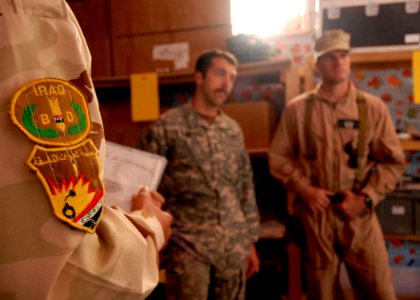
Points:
(337, 152)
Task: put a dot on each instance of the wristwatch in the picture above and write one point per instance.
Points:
(368, 202)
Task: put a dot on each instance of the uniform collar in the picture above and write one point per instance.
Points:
(321, 95)
(196, 120)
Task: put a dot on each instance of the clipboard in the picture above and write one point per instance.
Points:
(126, 170)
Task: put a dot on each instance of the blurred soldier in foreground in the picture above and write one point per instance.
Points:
(59, 240)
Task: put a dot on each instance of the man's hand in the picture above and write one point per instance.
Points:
(352, 205)
(316, 199)
(253, 262)
(151, 203)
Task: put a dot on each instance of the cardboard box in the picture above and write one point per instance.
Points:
(136, 17)
(396, 213)
(135, 54)
(257, 119)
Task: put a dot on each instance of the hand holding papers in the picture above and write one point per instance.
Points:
(126, 170)
(151, 203)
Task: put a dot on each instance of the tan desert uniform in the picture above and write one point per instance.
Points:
(335, 135)
(42, 257)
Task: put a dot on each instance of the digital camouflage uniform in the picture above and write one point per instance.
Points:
(209, 190)
(49, 251)
(330, 238)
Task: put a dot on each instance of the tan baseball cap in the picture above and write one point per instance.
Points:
(331, 40)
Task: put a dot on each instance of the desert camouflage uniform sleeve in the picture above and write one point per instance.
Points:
(43, 257)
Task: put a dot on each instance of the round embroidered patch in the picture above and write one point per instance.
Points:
(51, 112)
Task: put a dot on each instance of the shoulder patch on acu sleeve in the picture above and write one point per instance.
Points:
(54, 113)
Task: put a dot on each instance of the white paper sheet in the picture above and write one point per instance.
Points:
(179, 53)
(126, 170)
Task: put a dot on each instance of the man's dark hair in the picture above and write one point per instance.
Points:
(204, 62)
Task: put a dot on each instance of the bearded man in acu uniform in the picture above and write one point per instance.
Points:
(209, 189)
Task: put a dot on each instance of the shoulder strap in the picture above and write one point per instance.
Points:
(309, 103)
(361, 105)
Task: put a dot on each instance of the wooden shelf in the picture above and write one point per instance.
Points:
(410, 144)
(246, 69)
(111, 82)
(124, 81)
(405, 237)
(258, 151)
(263, 67)
(380, 57)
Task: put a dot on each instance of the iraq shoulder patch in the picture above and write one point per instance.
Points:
(51, 112)
(54, 113)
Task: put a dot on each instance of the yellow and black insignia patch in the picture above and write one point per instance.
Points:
(54, 113)
(76, 196)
